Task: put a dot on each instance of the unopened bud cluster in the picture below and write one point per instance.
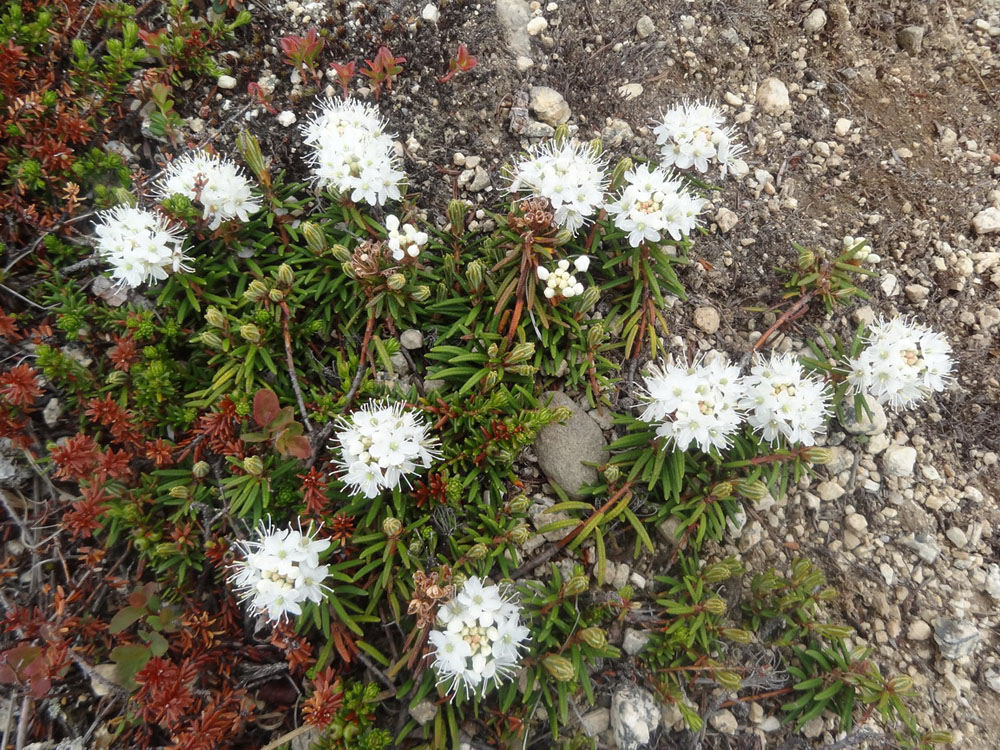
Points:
(559, 282)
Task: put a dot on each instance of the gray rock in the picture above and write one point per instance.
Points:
(434, 384)
(306, 740)
(548, 105)
(814, 21)
(114, 295)
(772, 96)
(563, 449)
(424, 712)
(226, 82)
(724, 722)
(51, 412)
(813, 728)
(707, 319)
(993, 680)
(13, 471)
(862, 423)
(536, 129)
(635, 641)
(987, 221)
(925, 545)
(480, 180)
(993, 581)
(918, 631)
(644, 27)
(104, 679)
(670, 531)
(411, 338)
(955, 638)
(910, 39)
(594, 722)
(615, 133)
(726, 219)
(513, 16)
(898, 460)
(635, 715)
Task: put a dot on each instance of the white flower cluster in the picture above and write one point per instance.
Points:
(352, 153)
(570, 175)
(560, 282)
(280, 571)
(653, 203)
(480, 639)
(781, 400)
(405, 243)
(382, 443)
(215, 182)
(902, 363)
(140, 245)
(697, 404)
(694, 135)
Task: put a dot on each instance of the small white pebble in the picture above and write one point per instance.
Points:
(430, 13)
(286, 118)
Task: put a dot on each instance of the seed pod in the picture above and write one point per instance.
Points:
(201, 469)
(475, 272)
(341, 253)
(520, 353)
(392, 527)
(253, 466)
(396, 282)
(594, 637)
(815, 454)
(286, 275)
(559, 667)
(456, 216)
(752, 489)
(251, 333)
(214, 317)
(520, 504)
(180, 492)
(477, 552)
(576, 585)
(209, 339)
(421, 294)
(315, 237)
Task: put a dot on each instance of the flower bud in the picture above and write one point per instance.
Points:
(256, 291)
(276, 295)
(716, 573)
(348, 269)
(594, 637)
(827, 594)
(900, 683)
(737, 634)
(561, 414)
(520, 534)
(456, 216)
(612, 473)
(525, 370)
(286, 275)
(618, 174)
(562, 237)
(752, 489)
(180, 492)
(215, 318)
(251, 333)
(124, 197)
(315, 237)
(519, 504)
(595, 335)
(341, 253)
(117, 377)
(492, 351)
(847, 291)
(561, 134)
(416, 546)
(722, 490)
(520, 353)
(474, 272)
(815, 454)
(477, 552)
(559, 667)
(715, 606)
(253, 465)
(728, 679)
(939, 737)
(249, 148)
(589, 298)
(201, 469)
(421, 294)
(392, 527)
(806, 259)
(396, 282)
(209, 339)
(576, 585)
(491, 379)
(596, 146)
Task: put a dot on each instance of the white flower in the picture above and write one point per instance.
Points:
(406, 243)
(559, 282)
(654, 203)
(694, 135)
(215, 182)
(380, 444)
(695, 405)
(782, 401)
(280, 571)
(481, 641)
(140, 245)
(902, 363)
(351, 153)
(569, 175)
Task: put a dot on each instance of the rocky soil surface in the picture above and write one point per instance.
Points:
(876, 119)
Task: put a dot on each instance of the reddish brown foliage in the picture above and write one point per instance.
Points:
(76, 458)
(19, 385)
(328, 695)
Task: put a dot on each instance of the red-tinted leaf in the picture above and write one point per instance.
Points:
(299, 447)
(124, 618)
(281, 420)
(265, 406)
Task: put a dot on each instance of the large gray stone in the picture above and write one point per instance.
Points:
(955, 638)
(548, 105)
(859, 422)
(563, 449)
(635, 715)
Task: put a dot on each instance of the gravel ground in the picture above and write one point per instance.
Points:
(876, 119)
